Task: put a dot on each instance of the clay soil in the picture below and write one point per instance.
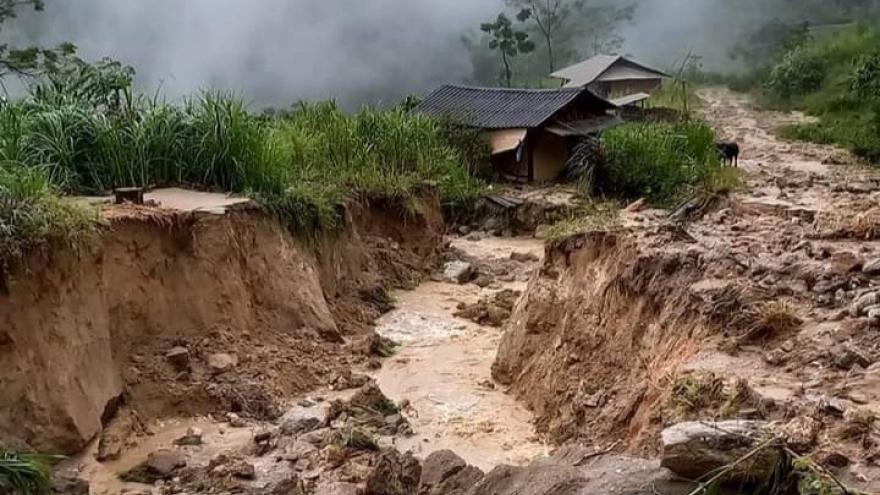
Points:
(622, 327)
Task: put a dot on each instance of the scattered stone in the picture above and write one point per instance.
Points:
(464, 230)
(394, 474)
(695, 449)
(262, 436)
(872, 267)
(636, 206)
(179, 358)
(301, 420)
(848, 356)
(523, 257)
(776, 357)
(297, 450)
(543, 231)
(459, 272)
(221, 362)
(483, 281)
(192, 437)
(860, 399)
(235, 420)
(832, 459)
(316, 437)
(227, 464)
(69, 485)
(160, 465)
(801, 433)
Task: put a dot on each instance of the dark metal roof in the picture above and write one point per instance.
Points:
(503, 108)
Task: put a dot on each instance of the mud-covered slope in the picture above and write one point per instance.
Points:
(78, 329)
(608, 314)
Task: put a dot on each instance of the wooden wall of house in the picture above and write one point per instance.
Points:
(627, 87)
(549, 156)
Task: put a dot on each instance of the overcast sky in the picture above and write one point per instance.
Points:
(278, 51)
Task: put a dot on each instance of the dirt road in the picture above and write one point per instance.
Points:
(804, 232)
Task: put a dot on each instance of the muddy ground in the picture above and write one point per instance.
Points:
(612, 329)
(760, 308)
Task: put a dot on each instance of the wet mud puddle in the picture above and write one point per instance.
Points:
(443, 364)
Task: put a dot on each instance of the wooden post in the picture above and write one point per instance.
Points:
(133, 195)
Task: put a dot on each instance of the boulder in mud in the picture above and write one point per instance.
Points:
(301, 419)
(160, 465)
(523, 257)
(694, 449)
(458, 272)
(394, 474)
(192, 437)
(446, 473)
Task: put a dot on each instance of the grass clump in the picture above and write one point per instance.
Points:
(32, 214)
(23, 474)
(662, 162)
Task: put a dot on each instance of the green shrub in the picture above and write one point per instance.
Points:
(662, 162)
(800, 72)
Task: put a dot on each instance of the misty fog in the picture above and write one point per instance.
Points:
(355, 51)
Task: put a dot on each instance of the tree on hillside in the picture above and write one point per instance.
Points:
(601, 25)
(568, 22)
(549, 16)
(509, 41)
(31, 60)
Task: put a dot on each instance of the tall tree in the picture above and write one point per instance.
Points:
(508, 40)
(31, 60)
(549, 17)
(601, 26)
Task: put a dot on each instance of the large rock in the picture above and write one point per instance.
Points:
(446, 473)
(394, 474)
(459, 272)
(160, 465)
(301, 419)
(696, 449)
(222, 362)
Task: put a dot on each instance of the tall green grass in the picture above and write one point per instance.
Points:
(302, 165)
(662, 162)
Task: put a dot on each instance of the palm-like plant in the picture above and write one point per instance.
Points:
(23, 474)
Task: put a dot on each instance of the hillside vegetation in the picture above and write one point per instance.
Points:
(835, 77)
(83, 132)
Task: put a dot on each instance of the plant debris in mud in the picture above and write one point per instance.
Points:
(707, 395)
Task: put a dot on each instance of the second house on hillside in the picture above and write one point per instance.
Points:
(611, 75)
(532, 132)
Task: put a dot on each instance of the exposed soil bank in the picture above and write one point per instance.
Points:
(78, 330)
(764, 299)
(606, 316)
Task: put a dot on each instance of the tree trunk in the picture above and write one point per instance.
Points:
(507, 75)
(550, 52)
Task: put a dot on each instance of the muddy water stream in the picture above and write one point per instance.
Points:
(442, 368)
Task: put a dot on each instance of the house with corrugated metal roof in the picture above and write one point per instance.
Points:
(608, 75)
(532, 132)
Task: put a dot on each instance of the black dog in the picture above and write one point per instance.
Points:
(729, 152)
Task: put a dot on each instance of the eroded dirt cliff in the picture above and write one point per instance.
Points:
(165, 302)
(763, 307)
